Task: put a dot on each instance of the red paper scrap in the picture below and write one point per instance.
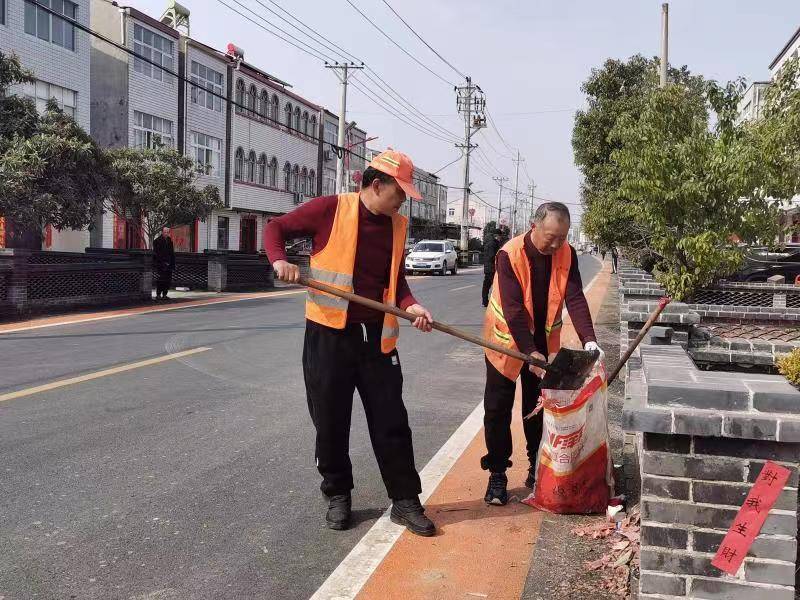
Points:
(751, 517)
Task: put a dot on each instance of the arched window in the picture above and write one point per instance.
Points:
(275, 108)
(262, 169)
(296, 179)
(312, 183)
(304, 181)
(288, 110)
(239, 95)
(238, 164)
(263, 107)
(297, 120)
(273, 172)
(252, 99)
(287, 177)
(305, 123)
(251, 166)
(313, 132)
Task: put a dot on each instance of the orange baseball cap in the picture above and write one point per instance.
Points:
(399, 166)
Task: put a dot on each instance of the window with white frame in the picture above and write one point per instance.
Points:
(154, 47)
(261, 172)
(275, 108)
(296, 178)
(239, 98)
(48, 27)
(150, 131)
(287, 177)
(207, 152)
(297, 118)
(250, 166)
(263, 106)
(288, 110)
(451, 212)
(313, 127)
(305, 123)
(252, 100)
(331, 133)
(312, 183)
(304, 182)
(206, 80)
(238, 164)
(328, 182)
(41, 92)
(273, 172)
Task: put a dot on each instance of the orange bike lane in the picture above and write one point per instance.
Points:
(479, 551)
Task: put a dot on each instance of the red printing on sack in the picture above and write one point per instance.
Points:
(751, 517)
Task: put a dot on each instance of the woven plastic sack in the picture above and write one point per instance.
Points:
(574, 472)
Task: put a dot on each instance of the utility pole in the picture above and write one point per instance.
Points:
(516, 195)
(664, 42)
(471, 103)
(531, 189)
(500, 181)
(342, 72)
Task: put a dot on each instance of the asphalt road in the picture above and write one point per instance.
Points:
(194, 478)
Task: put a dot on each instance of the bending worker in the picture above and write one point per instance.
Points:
(537, 272)
(358, 246)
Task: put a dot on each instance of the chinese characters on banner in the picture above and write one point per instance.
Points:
(751, 517)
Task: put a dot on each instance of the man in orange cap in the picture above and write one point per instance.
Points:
(358, 246)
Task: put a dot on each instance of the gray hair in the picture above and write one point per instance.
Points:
(548, 208)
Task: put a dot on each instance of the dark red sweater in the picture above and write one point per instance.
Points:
(314, 219)
(514, 305)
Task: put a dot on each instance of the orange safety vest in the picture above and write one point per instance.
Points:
(495, 326)
(334, 264)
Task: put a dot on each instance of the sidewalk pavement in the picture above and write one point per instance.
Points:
(506, 552)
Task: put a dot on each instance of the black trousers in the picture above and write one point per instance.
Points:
(498, 401)
(488, 279)
(336, 362)
(163, 282)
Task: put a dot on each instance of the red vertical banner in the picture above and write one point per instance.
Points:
(48, 237)
(119, 233)
(2, 232)
(750, 518)
(196, 235)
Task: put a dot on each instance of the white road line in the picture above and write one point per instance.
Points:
(462, 288)
(353, 572)
(349, 577)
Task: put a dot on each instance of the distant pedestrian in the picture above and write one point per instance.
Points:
(603, 254)
(496, 241)
(163, 262)
(614, 258)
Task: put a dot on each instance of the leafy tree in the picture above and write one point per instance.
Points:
(697, 191)
(488, 231)
(617, 89)
(51, 171)
(156, 189)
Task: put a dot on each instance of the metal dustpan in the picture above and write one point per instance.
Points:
(569, 369)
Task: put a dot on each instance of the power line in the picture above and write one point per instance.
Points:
(497, 131)
(406, 52)
(419, 37)
(313, 53)
(491, 146)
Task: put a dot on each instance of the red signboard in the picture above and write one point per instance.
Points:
(751, 517)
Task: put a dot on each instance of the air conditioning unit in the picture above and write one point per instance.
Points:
(326, 155)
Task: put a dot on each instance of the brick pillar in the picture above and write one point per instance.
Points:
(147, 275)
(17, 282)
(217, 271)
(704, 439)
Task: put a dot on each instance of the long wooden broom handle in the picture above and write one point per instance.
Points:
(662, 304)
(443, 327)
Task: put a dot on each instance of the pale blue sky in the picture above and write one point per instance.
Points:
(526, 56)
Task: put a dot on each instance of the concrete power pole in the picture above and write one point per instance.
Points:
(471, 103)
(514, 227)
(500, 181)
(531, 189)
(342, 72)
(664, 42)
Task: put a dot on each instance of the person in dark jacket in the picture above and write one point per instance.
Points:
(163, 262)
(499, 237)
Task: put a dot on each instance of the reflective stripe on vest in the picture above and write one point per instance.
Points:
(390, 332)
(495, 324)
(322, 299)
(331, 277)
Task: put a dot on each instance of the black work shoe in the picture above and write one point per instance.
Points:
(338, 516)
(410, 513)
(496, 492)
(530, 482)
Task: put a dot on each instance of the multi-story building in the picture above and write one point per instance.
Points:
(790, 50)
(58, 55)
(354, 160)
(134, 103)
(274, 161)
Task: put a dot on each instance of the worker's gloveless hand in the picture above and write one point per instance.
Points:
(286, 271)
(538, 371)
(424, 318)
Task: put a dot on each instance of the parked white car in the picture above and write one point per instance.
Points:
(432, 256)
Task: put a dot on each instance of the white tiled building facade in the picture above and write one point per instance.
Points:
(355, 140)
(58, 55)
(274, 159)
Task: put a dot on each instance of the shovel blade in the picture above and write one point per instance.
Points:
(569, 369)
